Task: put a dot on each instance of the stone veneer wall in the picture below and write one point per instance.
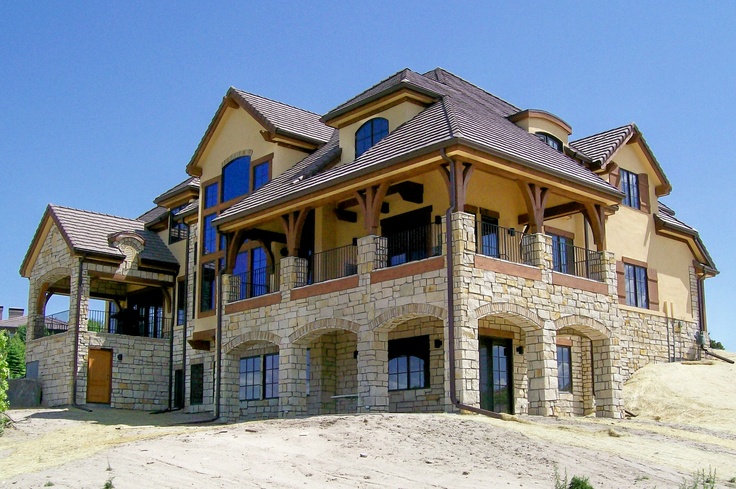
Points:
(54, 357)
(430, 399)
(140, 380)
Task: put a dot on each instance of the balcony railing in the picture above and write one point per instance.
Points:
(574, 260)
(253, 283)
(411, 245)
(505, 244)
(331, 264)
(151, 324)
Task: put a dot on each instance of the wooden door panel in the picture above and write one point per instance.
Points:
(99, 376)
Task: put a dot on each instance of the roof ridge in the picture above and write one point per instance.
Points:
(630, 125)
(403, 71)
(449, 111)
(56, 206)
(274, 100)
(447, 72)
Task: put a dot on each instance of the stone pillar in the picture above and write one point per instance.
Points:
(608, 379)
(588, 398)
(35, 327)
(604, 270)
(467, 362)
(191, 285)
(79, 296)
(537, 250)
(369, 251)
(541, 355)
(230, 392)
(230, 288)
(292, 381)
(373, 371)
(293, 272)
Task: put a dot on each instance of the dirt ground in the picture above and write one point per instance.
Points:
(686, 421)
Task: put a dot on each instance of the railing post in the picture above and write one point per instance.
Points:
(293, 272)
(369, 252)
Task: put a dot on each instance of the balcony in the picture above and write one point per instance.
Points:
(253, 283)
(148, 322)
(577, 261)
(504, 244)
(410, 245)
(331, 264)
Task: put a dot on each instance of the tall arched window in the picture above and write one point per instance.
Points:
(369, 134)
(236, 178)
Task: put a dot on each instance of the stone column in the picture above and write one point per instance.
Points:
(79, 296)
(293, 272)
(230, 392)
(467, 361)
(537, 250)
(369, 251)
(36, 317)
(373, 371)
(608, 379)
(292, 381)
(541, 355)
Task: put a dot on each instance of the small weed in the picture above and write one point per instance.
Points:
(560, 483)
(579, 483)
(109, 467)
(701, 480)
(640, 478)
(732, 480)
(109, 484)
(48, 484)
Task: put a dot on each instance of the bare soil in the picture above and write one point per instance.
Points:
(686, 422)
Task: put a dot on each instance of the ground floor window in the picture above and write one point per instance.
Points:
(564, 369)
(196, 390)
(259, 377)
(408, 363)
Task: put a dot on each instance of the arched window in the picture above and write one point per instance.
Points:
(550, 140)
(408, 363)
(369, 134)
(236, 178)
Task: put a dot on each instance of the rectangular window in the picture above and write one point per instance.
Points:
(635, 279)
(210, 195)
(196, 380)
(563, 254)
(408, 363)
(261, 174)
(177, 229)
(207, 287)
(489, 236)
(181, 302)
(271, 376)
(564, 369)
(209, 236)
(259, 377)
(630, 187)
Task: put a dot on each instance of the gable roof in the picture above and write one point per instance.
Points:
(465, 114)
(88, 232)
(602, 147)
(154, 216)
(276, 117)
(191, 184)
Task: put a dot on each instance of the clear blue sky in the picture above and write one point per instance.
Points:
(103, 103)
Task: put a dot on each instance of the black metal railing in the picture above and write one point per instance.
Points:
(505, 244)
(253, 283)
(575, 260)
(136, 323)
(411, 245)
(335, 263)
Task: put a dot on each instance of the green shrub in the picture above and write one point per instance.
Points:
(579, 483)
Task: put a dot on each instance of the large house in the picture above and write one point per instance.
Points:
(424, 246)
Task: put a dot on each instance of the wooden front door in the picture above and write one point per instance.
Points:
(99, 376)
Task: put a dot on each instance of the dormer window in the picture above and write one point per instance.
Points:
(550, 141)
(369, 134)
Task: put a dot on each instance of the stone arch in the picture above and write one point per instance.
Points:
(593, 329)
(258, 336)
(320, 326)
(237, 154)
(391, 317)
(522, 317)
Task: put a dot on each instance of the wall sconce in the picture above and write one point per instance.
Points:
(355, 354)
(120, 357)
(520, 350)
(438, 343)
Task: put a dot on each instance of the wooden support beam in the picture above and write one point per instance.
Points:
(293, 223)
(370, 201)
(561, 210)
(463, 173)
(535, 198)
(595, 213)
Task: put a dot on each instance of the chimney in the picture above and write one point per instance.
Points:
(15, 312)
(1, 313)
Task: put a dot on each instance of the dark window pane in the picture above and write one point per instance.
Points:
(209, 237)
(250, 378)
(207, 292)
(196, 379)
(260, 175)
(236, 178)
(408, 365)
(564, 369)
(369, 134)
(210, 195)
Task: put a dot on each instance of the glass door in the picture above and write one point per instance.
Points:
(496, 383)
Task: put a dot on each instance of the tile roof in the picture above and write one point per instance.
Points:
(191, 183)
(465, 113)
(190, 208)
(600, 147)
(14, 323)
(154, 215)
(88, 232)
(285, 119)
